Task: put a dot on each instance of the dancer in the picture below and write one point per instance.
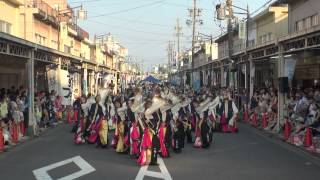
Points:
(228, 111)
(95, 116)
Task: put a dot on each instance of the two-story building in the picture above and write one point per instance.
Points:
(270, 25)
(13, 68)
(43, 49)
(304, 29)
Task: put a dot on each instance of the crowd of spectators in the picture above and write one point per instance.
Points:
(302, 112)
(15, 125)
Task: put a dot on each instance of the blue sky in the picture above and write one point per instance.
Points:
(146, 26)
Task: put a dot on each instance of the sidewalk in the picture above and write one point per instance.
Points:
(278, 138)
(26, 138)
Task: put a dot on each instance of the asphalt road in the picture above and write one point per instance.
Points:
(248, 155)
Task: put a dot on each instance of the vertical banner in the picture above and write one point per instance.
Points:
(289, 68)
(231, 79)
(84, 82)
(208, 48)
(224, 82)
(173, 59)
(204, 77)
(208, 77)
(214, 78)
(76, 86)
(252, 75)
(242, 29)
(96, 77)
(66, 87)
(244, 72)
(196, 81)
(92, 82)
(52, 80)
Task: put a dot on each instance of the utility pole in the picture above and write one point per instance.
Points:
(178, 29)
(230, 36)
(193, 38)
(194, 14)
(169, 50)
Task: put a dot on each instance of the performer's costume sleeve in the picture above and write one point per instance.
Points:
(103, 133)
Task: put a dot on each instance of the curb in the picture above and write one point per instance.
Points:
(274, 138)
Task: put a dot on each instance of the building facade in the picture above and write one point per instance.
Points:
(283, 43)
(43, 49)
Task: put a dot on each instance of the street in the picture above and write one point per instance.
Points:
(243, 156)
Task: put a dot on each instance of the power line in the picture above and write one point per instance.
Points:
(138, 21)
(84, 1)
(128, 29)
(127, 10)
(182, 5)
(265, 4)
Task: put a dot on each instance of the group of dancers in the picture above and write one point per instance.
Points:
(152, 120)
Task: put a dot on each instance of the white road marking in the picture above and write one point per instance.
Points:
(86, 168)
(164, 174)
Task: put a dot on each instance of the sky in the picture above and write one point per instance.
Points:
(146, 26)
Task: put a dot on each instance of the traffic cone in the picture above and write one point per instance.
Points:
(14, 133)
(1, 140)
(264, 120)
(22, 129)
(69, 118)
(308, 138)
(75, 115)
(246, 117)
(254, 120)
(287, 130)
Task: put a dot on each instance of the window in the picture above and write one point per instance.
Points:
(263, 38)
(251, 43)
(54, 44)
(8, 28)
(67, 49)
(83, 54)
(307, 23)
(5, 27)
(269, 37)
(2, 26)
(315, 20)
(299, 25)
(40, 39)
